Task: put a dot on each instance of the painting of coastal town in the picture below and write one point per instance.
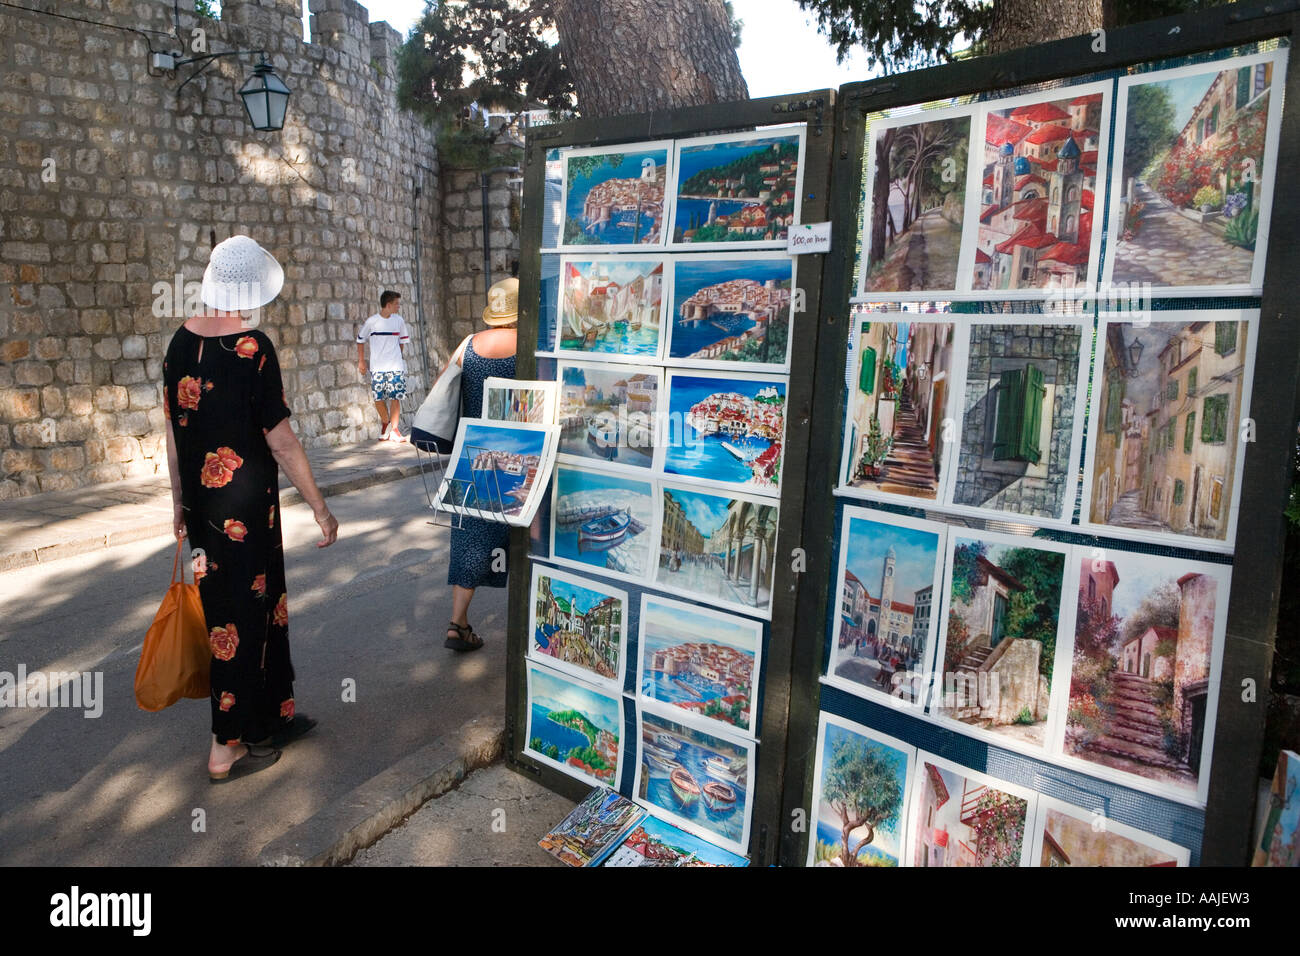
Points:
(702, 782)
(608, 413)
(963, 818)
(732, 310)
(719, 548)
(1197, 148)
(578, 626)
(1042, 157)
(1073, 836)
(602, 521)
(726, 429)
(1148, 642)
(741, 189)
(703, 662)
(498, 470)
(998, 649)
(594, 829)
(1279, 829)
(900, 392)
(611, 308)
(1022, 420)
(860, 791)
(509, 400)
(655, 843)
(574, 727)
(615, 197)
(1165, 455)
(916, 202)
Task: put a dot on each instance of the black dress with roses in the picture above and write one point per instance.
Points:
(222, 394)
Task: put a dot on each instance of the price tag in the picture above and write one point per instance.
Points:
(808, 237)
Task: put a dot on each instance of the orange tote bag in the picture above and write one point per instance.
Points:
(176, 657)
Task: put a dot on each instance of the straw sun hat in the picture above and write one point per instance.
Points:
(241, 275)
(503, 303)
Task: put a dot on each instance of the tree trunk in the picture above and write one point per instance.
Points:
(631, 56)
(1021, 23)
(880, 197)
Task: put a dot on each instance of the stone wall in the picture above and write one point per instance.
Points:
(113, 183)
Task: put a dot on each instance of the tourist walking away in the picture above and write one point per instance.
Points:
(478, 546)
(386, 334)
(227, 430)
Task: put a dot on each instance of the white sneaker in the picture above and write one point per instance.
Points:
(383, 432)
(394, 436)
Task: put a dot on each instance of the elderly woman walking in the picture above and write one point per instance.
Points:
(227, 430)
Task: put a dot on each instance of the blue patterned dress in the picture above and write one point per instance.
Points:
(472, 544)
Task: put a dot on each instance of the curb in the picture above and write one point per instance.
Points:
(334, 835)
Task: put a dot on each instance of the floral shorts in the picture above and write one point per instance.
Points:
(388, 385)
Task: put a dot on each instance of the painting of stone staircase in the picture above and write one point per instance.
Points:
(1132, 728)
(908, 469)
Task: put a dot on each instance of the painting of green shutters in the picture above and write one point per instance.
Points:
(999, 620)
(867, 379)
(1191, 382)
(1020, 395)
(1243, 86)
(1180, 490)
(1214, 424)
(1114, 407)
(1225, 337)
(1171, 390)
(1189, 433)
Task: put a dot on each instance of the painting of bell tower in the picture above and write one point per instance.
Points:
(1063, 206)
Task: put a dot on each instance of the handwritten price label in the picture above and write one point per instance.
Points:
(809, 237)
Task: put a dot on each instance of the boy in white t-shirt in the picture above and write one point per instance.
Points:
(386, 333)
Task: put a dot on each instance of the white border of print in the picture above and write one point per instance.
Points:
(1060, 690)
(646, 147)
(941, 531)
(762, 132)
(1272, 136)
(971, 210)
(1050, 95)
(1070, 492)
(535, 493)
(780, 368)
(652, 532)
(875, 736)
(495, 384)
(655, 358)
(665, 426)
(690, 717)
(590, 688)
(1024, 793)
(954, 379)
(1232, 501)
(613, 685)
(590, 461)
(764, 612)
(1192, 796)
(1045, 804)
(748, 747)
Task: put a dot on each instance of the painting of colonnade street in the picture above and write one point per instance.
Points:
(1192, 200)
(1147, 644)
(615, 197)
(1168, 404)
(899, 395)
(963, 818)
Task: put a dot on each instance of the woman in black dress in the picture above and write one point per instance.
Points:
(227, 429)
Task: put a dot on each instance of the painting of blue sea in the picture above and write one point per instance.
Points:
(727, 429)
(615, 197)
(733, 309)
(655, 843)
(607, 413)
(494, 467)
(574, 727)
(602, 521)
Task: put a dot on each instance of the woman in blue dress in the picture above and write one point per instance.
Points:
(478, 546)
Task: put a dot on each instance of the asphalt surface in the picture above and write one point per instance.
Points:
(125, 788)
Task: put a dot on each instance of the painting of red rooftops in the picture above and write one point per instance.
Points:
(1039, 225)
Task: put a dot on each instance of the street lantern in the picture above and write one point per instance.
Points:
(1135, 354)
(266, 98)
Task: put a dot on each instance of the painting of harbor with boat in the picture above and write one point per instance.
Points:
(602, 521)
(699, 781)
(574, 727)
(578, 626)
(607, 413)
(700, 661)
(737, 189)
(615, 197)
(732, 429)
(611, 307)
(498, 470)
(655, 843)
(732, 309)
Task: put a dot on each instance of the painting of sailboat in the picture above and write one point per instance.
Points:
(611, 306)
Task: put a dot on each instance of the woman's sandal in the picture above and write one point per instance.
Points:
(257, 758)
(465, 639)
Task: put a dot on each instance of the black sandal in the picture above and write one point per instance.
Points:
(466, 639)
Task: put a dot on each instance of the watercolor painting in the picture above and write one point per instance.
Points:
(963, 818)
(611, 308)
(732, 309)
(655, 843)
(1069, 836)
(700, 661)
(1279, 830)
(574, 727)
(900, 392)
(594, 829)
(602, 521)
(578, 625)
(860, 790)
(728, 429)
(615, 197)
(510, 400)
(498, 470)
(737, 188)
(719, 548)
(607, 413)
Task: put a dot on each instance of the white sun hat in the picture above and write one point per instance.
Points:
(240, 275)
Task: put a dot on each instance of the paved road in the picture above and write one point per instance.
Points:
(1170, 249)
(122, 789)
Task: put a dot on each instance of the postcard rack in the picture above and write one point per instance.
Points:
(442, 488)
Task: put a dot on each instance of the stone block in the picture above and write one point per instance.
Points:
(33, 373)
(108, 349)
(14, 350)
(121, 449)
(36, 434)
(64, 458)
(49, 348)
(52, 400)
(129, 372)
(74, 429)
(144, 396)
(111, 398)
(19, 404)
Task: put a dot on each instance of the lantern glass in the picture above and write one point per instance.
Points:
(266, 98)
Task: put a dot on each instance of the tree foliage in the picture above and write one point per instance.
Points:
(1158, 609)
(1148, 126)
(1034, 612)
(862, 787)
